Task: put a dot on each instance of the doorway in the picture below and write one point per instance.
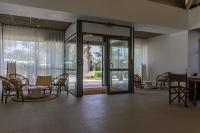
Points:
(101, 59)
(93, 64)
(105, 64)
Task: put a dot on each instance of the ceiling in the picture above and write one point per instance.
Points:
(33, 22)
(195, 3)
(145, 35)
(198, 30)
(177, 3)
(51, 24)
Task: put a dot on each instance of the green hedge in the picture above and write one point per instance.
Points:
(98, 74)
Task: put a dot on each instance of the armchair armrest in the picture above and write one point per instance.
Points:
(158, 77)
(25, 81)
(53, 82)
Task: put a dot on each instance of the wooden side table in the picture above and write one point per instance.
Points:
(195, 80)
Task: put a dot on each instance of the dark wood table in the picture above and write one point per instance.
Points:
(195, 80)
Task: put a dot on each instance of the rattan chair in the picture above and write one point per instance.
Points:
(45, 81)
(24, 81)
(9, 87)
(162, 80)
(138, 81)
(61, 82)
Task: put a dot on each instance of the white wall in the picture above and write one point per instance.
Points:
(194, 18)
(168, 53)
(193, 51)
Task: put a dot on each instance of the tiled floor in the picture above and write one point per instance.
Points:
(142, 112)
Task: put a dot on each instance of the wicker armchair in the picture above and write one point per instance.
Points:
(138, 81)
(10, 86)
(162, 80)
(61, 82)
(45, 81)
(24, 81)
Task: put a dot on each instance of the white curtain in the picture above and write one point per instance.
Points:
(140, 55)
(1, 49)
(35, 51)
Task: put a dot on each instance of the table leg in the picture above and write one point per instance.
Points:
(195, 93)
(186, 96)
(17, 93)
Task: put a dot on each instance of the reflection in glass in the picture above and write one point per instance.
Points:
(71, 62)
(119, 54)
(119, 80)
(118, 65)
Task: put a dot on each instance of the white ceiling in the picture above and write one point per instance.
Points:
(27, 11)
(133, 11)
(33, 22)
(50, 14)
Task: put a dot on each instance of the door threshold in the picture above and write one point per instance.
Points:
(94, 90)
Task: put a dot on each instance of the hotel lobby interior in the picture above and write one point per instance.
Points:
(101, 66)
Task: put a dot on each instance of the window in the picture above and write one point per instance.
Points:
(35, 51)
(71, 62)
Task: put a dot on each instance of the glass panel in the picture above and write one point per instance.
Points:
(119, 80)
(119, 54)
(71, 62)
(118, 65)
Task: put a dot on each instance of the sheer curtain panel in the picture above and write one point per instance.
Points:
(35, 51)
(140, 55)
